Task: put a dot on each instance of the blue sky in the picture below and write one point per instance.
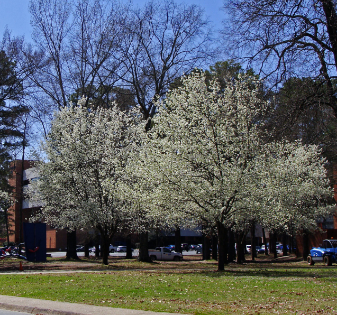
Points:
(15, 14)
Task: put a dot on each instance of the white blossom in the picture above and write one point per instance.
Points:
(87, 153)
(205, 154)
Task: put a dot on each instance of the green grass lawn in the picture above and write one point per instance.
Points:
(189, 287)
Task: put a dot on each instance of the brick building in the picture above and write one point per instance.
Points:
(23, 174)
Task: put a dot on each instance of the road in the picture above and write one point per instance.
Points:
(5, 312)
(134, 253)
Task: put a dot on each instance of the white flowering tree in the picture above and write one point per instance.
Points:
(5, 202)
(154, 206)
(87, 153)
(295, 188)
(206, 148)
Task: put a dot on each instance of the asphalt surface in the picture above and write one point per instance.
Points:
(6, 312)
(44, 307)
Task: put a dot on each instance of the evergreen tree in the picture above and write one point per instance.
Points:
(10, 136)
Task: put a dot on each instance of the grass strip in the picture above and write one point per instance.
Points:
(292, 288)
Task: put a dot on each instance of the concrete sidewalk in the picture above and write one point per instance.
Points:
(43, 307)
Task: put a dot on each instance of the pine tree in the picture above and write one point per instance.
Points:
(11, 90)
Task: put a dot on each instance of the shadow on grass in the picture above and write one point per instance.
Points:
(265, 267)
(277, 273)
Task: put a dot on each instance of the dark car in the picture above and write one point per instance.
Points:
(259, 250)
(79, 248)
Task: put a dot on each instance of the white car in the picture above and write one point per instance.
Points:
(112, 249)
(164, 253)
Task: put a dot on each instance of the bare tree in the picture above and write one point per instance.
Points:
(286, 38)
(79, 46)
(97, 48)
(165, 40)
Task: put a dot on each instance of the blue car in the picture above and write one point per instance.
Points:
(327, 253)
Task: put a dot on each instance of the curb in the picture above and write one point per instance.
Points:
(44, 307)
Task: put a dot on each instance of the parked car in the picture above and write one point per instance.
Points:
(184, 246)
(122, 249)
(262, 249)
(259, 250)
(193, 247)
(171, 247)
(326, 253)
(279, 249)
(164, 253)
(199, 248)
(79, 248)
(112, 249)
(248, 248)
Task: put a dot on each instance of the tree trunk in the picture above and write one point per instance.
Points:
(222, 243)
(105, 249)
(265, 242)
(244, 243)
(273, 244)
(177, 240)
(240, 248)
(206, 248)
(86, 250)
(284, 241)
(305, 245)
(144, 247)
(214, 247)
(71, 245)
(290, 241)
(128, 247)
(97, 249)
(231, 246)
(253, 241)
(331, 19)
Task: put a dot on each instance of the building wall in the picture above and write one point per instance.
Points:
(15, 212)
(23, 209)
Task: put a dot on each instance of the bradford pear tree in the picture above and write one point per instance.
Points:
(296, 190)
(156, 206)
(87, 153)
(201, 147)
(206, 147)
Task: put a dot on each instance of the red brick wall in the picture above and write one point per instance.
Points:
(14, 210)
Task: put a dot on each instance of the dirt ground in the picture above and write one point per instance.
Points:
(190, 262)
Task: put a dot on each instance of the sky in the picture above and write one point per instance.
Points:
(16, 17)
(15, 14)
